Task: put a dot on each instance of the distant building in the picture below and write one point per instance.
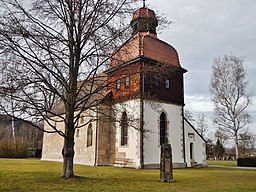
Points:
(145, 81)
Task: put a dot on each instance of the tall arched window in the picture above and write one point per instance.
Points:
(191, 151)
(124, 129)
(77, 132)
(89, 135)
(163, 126)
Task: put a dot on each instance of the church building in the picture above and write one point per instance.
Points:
(146, 89)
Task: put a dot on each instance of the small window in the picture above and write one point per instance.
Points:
(82, 119)
(127, 81)
(167, 83)
(77, 132)
(191, 135)
(156, 81)
(118, 84)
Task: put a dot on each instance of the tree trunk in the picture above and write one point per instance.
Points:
(68, 148)
(68, 156)
(236, 147)
(237, 152)
(68, 170)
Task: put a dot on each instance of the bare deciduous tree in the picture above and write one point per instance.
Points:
(201, 125)
(200, 122)
(46, 48)
(189, 116)
(228, 88)
(246, 142)
(221, 136)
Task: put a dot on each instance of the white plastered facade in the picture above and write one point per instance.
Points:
(131, 151)
(179, 133)
(174, 133)
(195, 146)
(53, 142)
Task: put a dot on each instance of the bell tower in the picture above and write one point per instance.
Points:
(146, 82)
(146, 65)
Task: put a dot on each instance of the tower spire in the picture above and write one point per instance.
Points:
(144, 3)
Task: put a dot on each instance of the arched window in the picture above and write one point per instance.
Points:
(89, 135)
(82, 119)
(191, 151)
(77, 132)
(163, 126)
(124, 129)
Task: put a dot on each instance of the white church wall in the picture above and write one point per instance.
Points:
(131, 151)
(52, 143)
(85, 154)
(198, 146)
(152, 149)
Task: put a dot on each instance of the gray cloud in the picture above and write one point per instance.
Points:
(204, 30)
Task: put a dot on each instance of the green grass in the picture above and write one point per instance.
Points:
(222, 163)
(34, 175)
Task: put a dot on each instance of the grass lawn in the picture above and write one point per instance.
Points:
(222, 163)
(35, 175)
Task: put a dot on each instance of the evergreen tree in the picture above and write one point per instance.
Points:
(218, 149)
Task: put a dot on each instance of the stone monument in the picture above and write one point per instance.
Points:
(166, 166)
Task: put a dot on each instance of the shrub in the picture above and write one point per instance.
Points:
(246, 162)
(9, 149)
(34, 153)
(38, 153)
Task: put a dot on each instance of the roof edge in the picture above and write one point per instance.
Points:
(195, 129)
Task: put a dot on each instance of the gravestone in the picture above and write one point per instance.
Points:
(166, 167)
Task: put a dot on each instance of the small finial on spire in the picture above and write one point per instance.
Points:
(144, 3)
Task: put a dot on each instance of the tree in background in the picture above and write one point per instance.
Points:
(246, 143)
(221, 136)
(228, 88)
(209, 148)
(201, 125)
(218, 150)
(200, 122)
(46, 47)
(189, 116)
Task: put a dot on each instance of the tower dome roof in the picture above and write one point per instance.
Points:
(144, 12)
(144, 20)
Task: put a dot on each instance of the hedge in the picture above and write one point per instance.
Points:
(246, 162)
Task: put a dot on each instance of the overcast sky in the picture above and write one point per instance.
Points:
(203, 30)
